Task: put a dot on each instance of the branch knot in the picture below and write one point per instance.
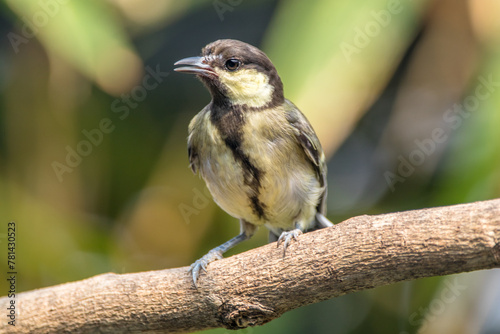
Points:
(241, 314)
(496, 253)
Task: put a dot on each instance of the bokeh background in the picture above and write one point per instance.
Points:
(404, 95)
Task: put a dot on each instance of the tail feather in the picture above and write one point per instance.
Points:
(322, 221)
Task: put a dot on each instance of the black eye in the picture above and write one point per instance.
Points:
(232, 64)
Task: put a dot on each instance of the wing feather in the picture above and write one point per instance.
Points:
(193, 142)
(307, 139)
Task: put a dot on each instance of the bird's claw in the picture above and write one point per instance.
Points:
(202, 263)
(286, 237)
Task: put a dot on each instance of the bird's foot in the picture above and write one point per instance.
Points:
(286, 237)
(203, 262)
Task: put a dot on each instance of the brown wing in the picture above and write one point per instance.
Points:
(193, 158)
(196, 123)
(306, 137)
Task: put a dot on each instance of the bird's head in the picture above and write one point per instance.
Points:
(236, 73)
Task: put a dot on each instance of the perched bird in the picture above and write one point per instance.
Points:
(258, 154)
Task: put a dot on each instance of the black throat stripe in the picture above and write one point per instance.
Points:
(229, 120)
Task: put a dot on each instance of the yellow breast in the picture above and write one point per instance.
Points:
(288, 187)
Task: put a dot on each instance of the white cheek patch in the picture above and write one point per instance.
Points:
(249, 87)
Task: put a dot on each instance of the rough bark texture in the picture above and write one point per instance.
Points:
(257, 286)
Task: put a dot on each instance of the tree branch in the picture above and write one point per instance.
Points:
(257, 286)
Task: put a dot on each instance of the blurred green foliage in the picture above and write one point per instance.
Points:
(93, 122)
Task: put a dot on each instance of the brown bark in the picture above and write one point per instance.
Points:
(257, 286)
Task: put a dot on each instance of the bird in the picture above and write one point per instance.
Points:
(256, 151)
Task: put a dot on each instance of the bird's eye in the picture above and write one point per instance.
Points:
(232, 64)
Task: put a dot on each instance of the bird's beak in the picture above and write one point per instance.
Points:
(197, 65)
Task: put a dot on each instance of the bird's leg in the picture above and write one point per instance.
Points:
(246, 232)
(213, 255)
(287, 236)
(323, 221)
